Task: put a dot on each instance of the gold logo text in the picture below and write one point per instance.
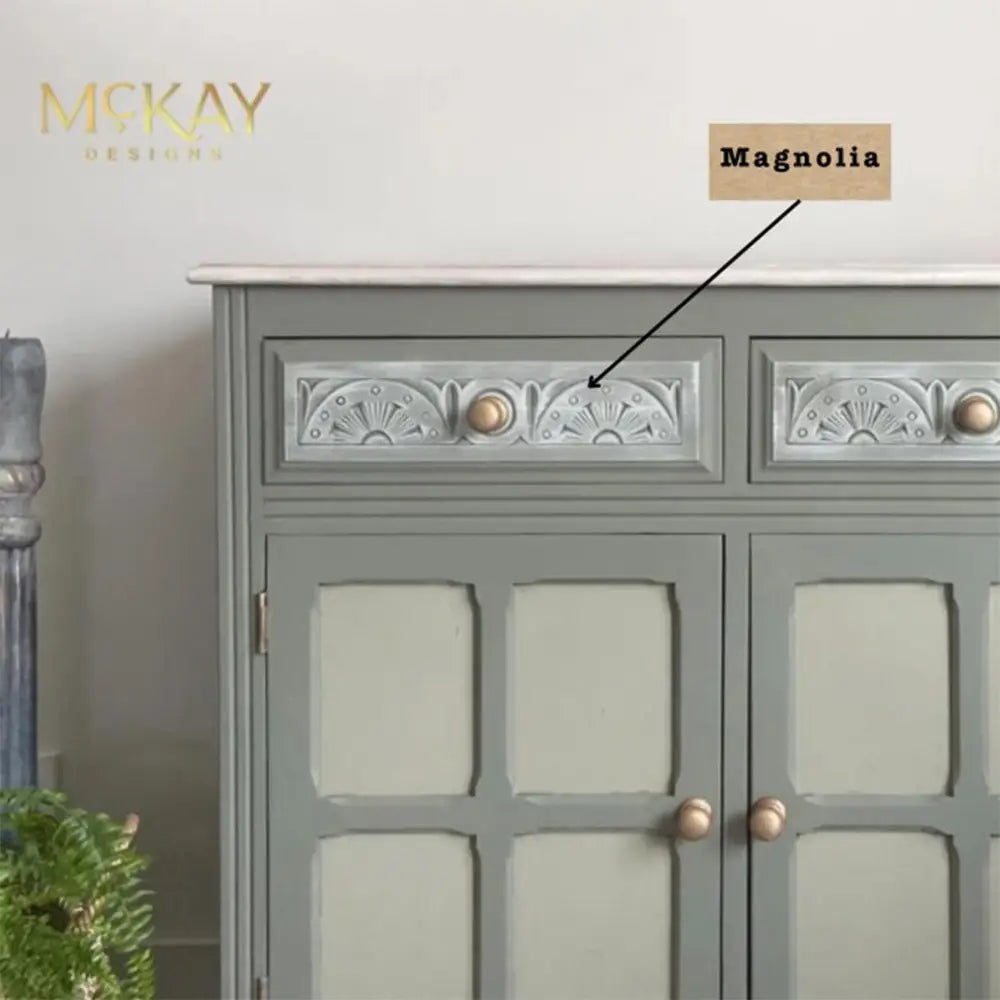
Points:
(219, 108)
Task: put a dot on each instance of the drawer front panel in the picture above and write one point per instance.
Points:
(900, 406)
(517, 401)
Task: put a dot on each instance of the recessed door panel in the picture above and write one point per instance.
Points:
(591, 914)
(864, 900)
(889, 642)
(994, 691)
(593, 676)
(394, 915)
(393, 659)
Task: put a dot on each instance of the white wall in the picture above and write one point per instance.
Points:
(414, 131)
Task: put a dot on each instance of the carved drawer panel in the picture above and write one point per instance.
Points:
(523, 400)
(877, 407)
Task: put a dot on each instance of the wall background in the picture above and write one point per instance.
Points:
(396, 131)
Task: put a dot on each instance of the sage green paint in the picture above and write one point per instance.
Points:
(571, 503)
(466, 316)
(965, 812)
(492, 815)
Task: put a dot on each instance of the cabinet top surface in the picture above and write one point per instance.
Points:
(841, 275)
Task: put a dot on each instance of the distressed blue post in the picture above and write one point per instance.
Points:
(22, 389)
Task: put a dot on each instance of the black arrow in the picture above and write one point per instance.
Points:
(595, 380)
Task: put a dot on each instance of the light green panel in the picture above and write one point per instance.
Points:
(993, 702)
(394, 917)
(870, 675)
(591, 917)
(592, 683)
(872, 914)
(393, 698)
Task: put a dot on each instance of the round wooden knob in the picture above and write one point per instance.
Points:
(976, 413)
(767, 819)
(694, 819)
(488, 414)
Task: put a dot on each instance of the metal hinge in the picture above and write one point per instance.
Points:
(260, 628)
(260, 988)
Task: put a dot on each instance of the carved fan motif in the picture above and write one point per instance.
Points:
(858, 411)
(370, 412)
(608, 423)
(374, 423)
(613, 413)
(861, 423)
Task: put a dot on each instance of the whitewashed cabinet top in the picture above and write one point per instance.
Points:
(842, 275)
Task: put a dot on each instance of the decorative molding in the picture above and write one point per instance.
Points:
(858, 275)
(392, 411)
(19, 482)
(868, 413)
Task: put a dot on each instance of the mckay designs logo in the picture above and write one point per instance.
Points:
(174, 122)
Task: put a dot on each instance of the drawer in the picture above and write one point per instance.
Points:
(887, 410)
(425, 403)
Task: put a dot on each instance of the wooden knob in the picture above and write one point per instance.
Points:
(976, 413)
(694, 819)
(767, 819)
(488, 414)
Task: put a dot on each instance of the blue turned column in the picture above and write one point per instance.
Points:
(22, 388)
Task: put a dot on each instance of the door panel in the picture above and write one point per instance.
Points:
(415, 640)
(894, 740)
(994, 700)
(566, 887)
(869, 684)
(871, 914)
(477, 747)
(578, 726)
(400, 904)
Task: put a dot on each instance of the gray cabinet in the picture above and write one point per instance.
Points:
(682, 685)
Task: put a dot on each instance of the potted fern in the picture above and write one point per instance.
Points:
(74, 915)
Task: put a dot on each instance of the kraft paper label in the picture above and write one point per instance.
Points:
(773, 162)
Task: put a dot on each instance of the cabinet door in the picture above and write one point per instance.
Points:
(477, 750)
(870, 725)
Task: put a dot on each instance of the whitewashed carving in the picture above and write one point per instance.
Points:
(379, 411)
(867, 417)
(417, 412)
(864, 411)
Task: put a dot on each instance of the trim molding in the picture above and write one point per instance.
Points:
(271, 274)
